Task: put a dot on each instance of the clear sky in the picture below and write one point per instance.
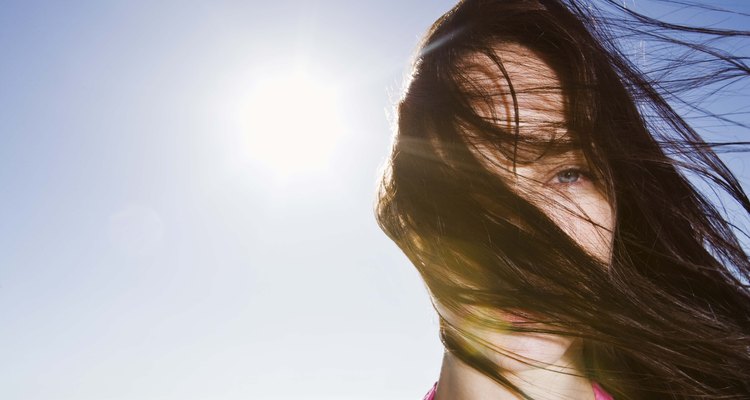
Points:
(187, 193)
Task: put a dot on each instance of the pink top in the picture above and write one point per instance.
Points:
(599, 393)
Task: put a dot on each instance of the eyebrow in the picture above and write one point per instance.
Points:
(544, 144)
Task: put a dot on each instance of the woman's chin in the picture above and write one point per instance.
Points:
(521, 351)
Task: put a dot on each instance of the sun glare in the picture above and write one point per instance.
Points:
(294, 124)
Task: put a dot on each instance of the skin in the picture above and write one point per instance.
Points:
(544, 366)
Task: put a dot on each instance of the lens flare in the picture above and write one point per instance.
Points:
(294, 124)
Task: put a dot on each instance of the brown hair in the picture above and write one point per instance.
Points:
(668, 316)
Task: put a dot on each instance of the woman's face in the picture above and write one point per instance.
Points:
(557, 182)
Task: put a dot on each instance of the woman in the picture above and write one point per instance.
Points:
(538, 183)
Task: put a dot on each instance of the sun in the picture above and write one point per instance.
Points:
(294, 124)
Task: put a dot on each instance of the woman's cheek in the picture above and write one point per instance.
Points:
(586, 216)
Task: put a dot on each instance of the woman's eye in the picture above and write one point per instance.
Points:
(568, 176)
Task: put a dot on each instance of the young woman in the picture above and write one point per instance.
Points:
(538, 182)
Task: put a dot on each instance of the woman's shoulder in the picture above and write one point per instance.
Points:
(599, 393)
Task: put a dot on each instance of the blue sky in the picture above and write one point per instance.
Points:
(150, 249)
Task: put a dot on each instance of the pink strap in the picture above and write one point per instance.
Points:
(431, 394)
(599, 393)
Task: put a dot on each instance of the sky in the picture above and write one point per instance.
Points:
(187, 201)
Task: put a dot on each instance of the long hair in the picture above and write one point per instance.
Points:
(668, 315)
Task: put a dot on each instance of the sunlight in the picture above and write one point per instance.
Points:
(294, 124)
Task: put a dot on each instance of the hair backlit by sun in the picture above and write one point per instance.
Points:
(294, 124)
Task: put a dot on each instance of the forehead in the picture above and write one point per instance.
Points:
(514, 85)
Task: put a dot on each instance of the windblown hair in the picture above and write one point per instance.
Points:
(668, 315)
